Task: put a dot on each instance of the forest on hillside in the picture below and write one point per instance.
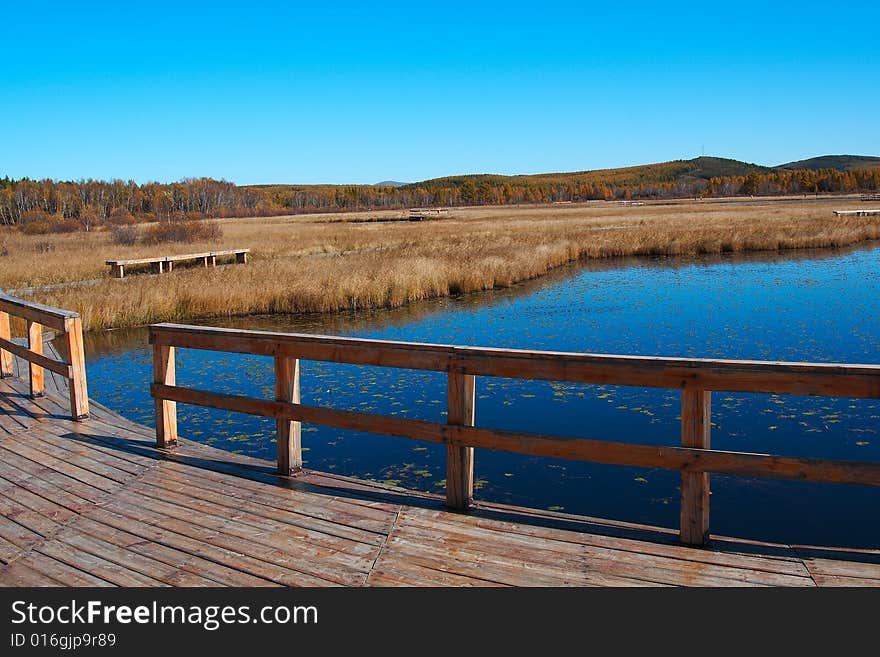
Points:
(42, 206)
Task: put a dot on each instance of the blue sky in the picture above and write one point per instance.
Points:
(273, 92)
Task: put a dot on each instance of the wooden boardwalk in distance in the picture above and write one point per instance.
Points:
(95, 503)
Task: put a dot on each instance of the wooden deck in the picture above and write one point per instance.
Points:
(95, 503)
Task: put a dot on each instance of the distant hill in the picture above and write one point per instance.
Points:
(676, 171)
(836, 162)
(704, 176)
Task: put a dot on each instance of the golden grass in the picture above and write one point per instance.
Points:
(294, 269)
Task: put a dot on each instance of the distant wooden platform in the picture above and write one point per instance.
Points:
(166, 263)
(856, 213)
(95, 503)
(424, 214)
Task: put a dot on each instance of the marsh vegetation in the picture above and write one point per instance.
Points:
(317, 263)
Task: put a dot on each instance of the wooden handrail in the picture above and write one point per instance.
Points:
(54, 318)
(696, 378)
(37, 316)
(818, 379)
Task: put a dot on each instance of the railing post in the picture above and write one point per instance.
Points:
(696, 426)
(166, 411)
(6, 363)
(79, 393)
(460, 460)
(35, 344)
(288, 432)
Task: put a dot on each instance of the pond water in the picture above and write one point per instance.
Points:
(806, 306)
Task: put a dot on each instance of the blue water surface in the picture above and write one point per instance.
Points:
(808, 306)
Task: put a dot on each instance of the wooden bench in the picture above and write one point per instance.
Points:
(166, 263)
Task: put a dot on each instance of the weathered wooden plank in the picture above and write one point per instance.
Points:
(285, 547)
(54, 318)
(71, 470)
(288, 432)
(94, 565)
(768, 561)
(6, 364)
(12, 417)
(18, 574)
(334, 521)
(36, 358)
(186, 569)
(268, 565)
(460, 460)
(164, 372)
(840, 564)
(390, 571)
(122, 456)
(670, 458)
(340, 512)
(24, 494)
(458, 537)
(342, 350)
(840, 580)
(79, 391)
(17, 534)
(63, 573)
(696, 373)
(253, 525)
(83, 457)
(35, 345)
(696, 426)
(57, 504)
(497, 568)
(156, 572)
(20, 470)
(9, 552)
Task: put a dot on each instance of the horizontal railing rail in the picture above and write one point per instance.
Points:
(696, 378)
(36, 316)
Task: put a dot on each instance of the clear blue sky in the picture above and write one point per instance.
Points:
(361, 92)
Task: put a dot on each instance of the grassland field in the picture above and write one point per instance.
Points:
(337, 262)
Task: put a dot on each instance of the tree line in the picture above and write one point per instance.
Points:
(61, 206)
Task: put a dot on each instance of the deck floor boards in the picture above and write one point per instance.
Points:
(94, 503)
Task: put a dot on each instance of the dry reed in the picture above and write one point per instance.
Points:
(318, 264)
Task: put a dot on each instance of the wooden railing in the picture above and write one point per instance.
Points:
(37, 316)
(696, 378)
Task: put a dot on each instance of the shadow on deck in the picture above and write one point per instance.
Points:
(95, 503)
